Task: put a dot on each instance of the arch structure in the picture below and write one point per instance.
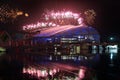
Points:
(68, 34)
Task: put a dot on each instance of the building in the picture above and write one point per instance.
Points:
(68, 34)
(61, 33)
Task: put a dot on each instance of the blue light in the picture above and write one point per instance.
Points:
(111, 56)
(111, 38)
(81, 33)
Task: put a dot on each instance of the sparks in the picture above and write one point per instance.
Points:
(58, 18)
(90, 16)
(7, 14)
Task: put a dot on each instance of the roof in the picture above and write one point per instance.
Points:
(67, 30)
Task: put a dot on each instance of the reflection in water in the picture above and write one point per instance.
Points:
(67, 67)
(81, 73)
(77, 57)
(58, 73)
(39, 72)
(1, 53)
(111, 56)
(64, 67)
(112, 50)
(68, 57)
(68, 72)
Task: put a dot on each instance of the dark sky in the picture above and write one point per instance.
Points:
(107, 20)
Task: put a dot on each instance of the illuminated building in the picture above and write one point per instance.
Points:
(68, 34)
(62, 27)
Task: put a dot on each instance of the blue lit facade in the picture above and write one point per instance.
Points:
(79, 34)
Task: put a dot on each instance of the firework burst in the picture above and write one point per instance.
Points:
(89, 16)
(7, 14)
(52, 18)
(59, 18)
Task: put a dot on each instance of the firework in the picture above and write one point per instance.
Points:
(59, 18)
(89, 16)
(8, 14)
(39, 25)
(62, 17)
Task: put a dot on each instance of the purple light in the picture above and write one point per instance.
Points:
(56, 18)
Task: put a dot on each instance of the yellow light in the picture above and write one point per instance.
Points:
(2, 49)
(20, 13)
(26, 14)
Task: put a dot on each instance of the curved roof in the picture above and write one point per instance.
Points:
(67, 30)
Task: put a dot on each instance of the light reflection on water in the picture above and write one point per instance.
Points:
(40, 72)
(2, 53)
(53, 73)
(66, 65)
(66, 59)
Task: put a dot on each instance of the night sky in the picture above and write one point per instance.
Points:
(107, 19)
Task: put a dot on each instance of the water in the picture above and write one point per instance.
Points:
(24, 66)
